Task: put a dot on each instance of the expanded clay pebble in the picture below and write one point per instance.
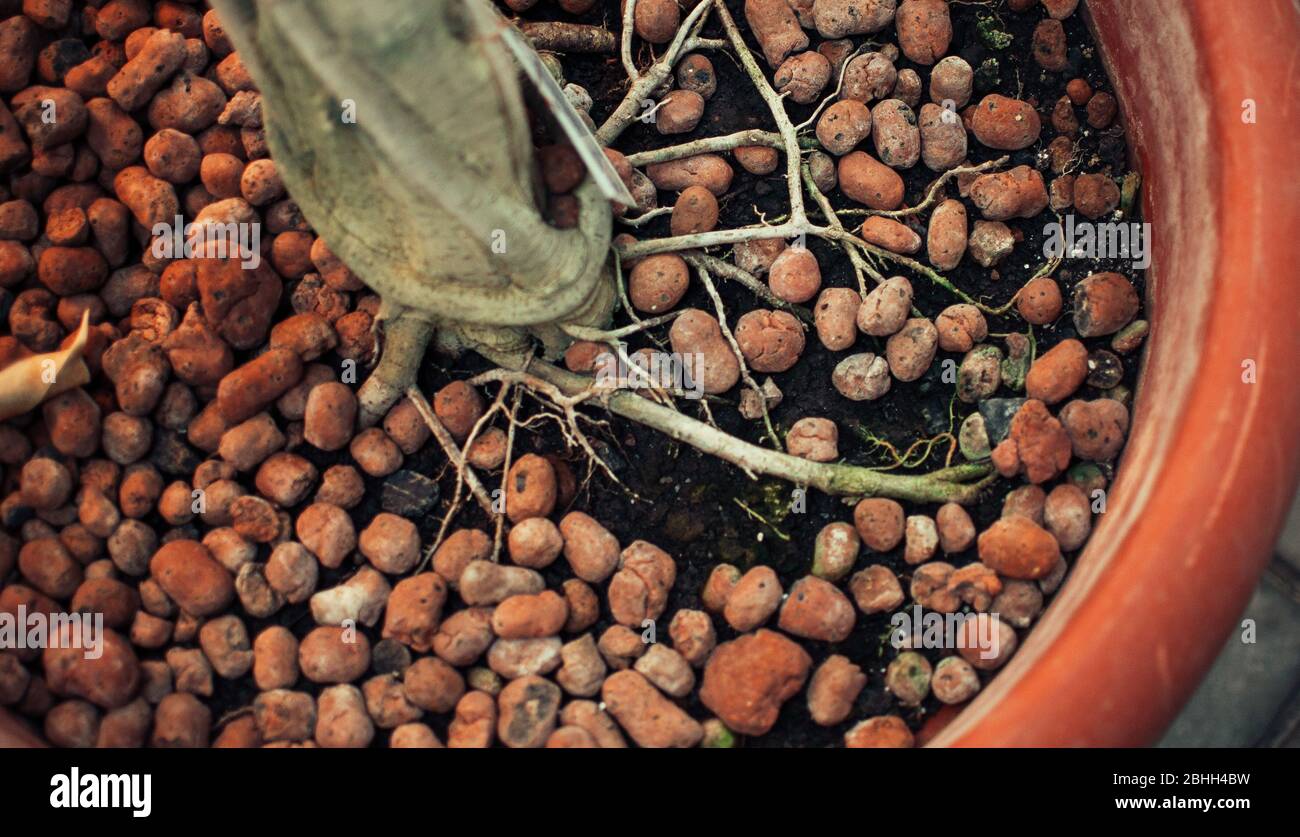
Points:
(757, 159)
(657, 283)
(837, 18)
(794, 275)
(707, 170)
(695, 73)
(190, 576)
(649, 718)
(803, 76)
(679, 112)
(777, 29)
(753, 598)
(530, 488)
(771, 341)
(695, 332)
(815, 439)
(835, 551)
(747, 679)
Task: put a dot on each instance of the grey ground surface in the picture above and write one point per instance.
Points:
(1251, 697)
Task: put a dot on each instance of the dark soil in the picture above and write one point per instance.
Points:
(690, 502)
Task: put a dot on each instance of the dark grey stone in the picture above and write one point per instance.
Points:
(409, 494)
(998, 413)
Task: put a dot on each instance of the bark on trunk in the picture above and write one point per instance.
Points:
(430, 195)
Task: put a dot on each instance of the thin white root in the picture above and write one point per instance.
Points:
(740, 356)
(625, 49)
(932, 194)
(727, 270)
(597, 335)
(645, 217)
(834, 94)
(449, 446)
(566, 403)
(505, 471)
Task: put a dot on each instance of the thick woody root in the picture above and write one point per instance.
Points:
(406, 336)
(951, 485)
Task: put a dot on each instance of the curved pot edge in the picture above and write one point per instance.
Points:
(1143, 615)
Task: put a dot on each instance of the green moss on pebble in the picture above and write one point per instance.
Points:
(717, 736)
(991, 33)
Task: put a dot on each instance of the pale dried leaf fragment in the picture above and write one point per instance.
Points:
(26, 383)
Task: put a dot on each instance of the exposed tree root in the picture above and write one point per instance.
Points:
(910, 263)
(933, 193)
(951, 485)
(917, 453)
(612, 339)
(505, 471)
(625, 40)
(860, 266)
(566, 392)
(406, 336)
(449, 447)
(714, 238)
(1046, 269)
(784, 126)
(708, 145)
(566, 402)
(627, 303)
(645, 217)
(740, 357)
(834, 94)
(727, 270)
(646, 83)
(464, 473)
(598, 335)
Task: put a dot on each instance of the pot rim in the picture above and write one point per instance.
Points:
(1209, 473)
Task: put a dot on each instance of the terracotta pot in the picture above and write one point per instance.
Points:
(1211, 467)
